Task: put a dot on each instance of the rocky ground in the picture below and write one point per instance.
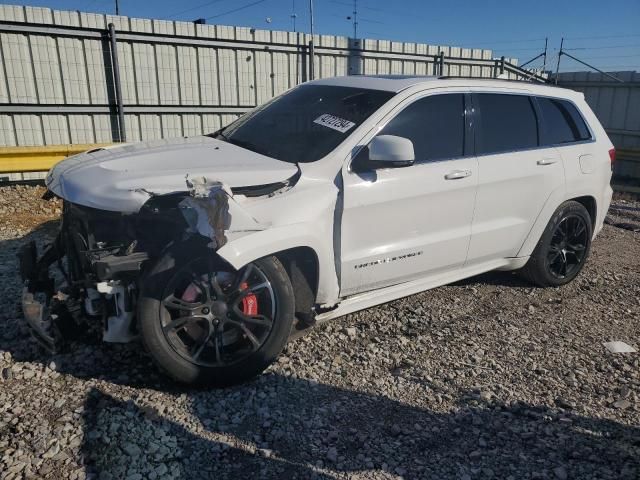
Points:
(488, 378)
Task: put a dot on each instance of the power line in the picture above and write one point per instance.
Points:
(614, 56)
(375, 34)
(602, 67)
(604, 48)
(373, 9)
(248, 5)
(569, 59)
(360, 19)
(194, 8)
(367, 20)
(505, 42)
(605, 36)
(538, 49)
(362, 6)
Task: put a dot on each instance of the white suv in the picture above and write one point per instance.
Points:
(336, 196)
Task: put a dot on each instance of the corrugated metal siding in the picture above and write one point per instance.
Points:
(229, 70)
(617, 106)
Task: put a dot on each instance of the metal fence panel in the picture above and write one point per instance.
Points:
(616, 105)
(58, 84)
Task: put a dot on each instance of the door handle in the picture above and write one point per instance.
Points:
(457, 174)
(547, 161)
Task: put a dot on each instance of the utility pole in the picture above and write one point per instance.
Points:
(544, 57)
(117, 7)
(293, 14)
(311, 47)
(559, 57)
(355, 18)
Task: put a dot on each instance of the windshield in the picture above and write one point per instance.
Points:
(304, 124)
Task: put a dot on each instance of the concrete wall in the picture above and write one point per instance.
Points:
(178, 78)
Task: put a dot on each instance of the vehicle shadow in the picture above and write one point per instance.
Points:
(496, 278)
(283, 427)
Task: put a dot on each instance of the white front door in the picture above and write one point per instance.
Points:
(516, 174)
(406, 222)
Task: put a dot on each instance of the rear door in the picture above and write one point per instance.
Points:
(517, 174)
(567, 131)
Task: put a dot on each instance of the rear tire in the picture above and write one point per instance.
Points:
(563, 247)
(199, 334)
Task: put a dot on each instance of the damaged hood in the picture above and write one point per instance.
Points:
(122, 178)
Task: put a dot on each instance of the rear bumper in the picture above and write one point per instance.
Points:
(603, 208)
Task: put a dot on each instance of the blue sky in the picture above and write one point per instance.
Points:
(605, 34)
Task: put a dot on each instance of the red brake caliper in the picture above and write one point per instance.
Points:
(249, 303)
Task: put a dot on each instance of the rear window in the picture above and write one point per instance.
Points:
(508, 123)
(563, 123)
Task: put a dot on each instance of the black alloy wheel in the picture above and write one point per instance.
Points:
(217, 319)
(563, 247)
(205, 323)
(568, 246)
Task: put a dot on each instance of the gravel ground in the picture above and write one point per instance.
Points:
(487, 378)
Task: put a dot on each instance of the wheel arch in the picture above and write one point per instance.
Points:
(589, 202)
(552, 204)
(306, 258)
(301, 264)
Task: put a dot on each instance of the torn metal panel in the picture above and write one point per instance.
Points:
(210, 211)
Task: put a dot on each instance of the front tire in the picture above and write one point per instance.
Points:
(206, 324)
(563, 248)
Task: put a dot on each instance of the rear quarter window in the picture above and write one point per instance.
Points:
(507, 123)
(562, 121)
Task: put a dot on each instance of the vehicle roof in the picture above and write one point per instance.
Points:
(397, 83)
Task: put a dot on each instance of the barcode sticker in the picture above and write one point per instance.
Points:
(333, 122)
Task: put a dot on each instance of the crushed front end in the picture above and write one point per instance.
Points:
(89, 276)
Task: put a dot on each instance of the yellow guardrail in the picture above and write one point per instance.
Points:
(38, 159)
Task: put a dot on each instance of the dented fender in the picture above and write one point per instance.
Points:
(246, 249)
(305, 216)
(243, 227)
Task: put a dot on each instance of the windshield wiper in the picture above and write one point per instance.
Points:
(220, 134)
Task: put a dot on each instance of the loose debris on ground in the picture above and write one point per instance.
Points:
(488, 378)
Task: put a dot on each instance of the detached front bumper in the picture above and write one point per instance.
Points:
(36, 313)
(39, 320)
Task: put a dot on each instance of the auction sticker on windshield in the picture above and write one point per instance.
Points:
(336, 123)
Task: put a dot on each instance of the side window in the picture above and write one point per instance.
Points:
(434, 124)
(508, 122)
(563, 123)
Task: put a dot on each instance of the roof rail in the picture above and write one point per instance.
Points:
(469, 77)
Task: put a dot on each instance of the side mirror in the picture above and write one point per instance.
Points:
(388, 151)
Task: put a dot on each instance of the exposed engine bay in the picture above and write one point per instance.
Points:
(90, 275)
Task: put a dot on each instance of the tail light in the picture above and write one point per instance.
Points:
(612, 156)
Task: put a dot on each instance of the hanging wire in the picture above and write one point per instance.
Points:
(243, 7)
(197, 7)
(603, 37)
